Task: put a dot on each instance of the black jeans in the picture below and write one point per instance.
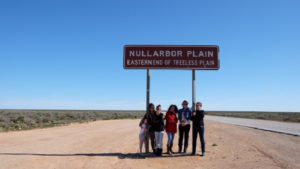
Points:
(184, 132)
(152, 140)
(150, 136)
(200, 131)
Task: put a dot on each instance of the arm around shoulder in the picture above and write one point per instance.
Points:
(142, 120)
(202, 114)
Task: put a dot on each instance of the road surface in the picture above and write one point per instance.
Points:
(268, 125)
(114, 144)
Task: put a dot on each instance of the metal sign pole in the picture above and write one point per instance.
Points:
(194, 88)
(148, 90)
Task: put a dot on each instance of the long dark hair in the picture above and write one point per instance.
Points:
(151, 105)
(175, 107)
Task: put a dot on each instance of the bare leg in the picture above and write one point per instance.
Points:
(141, 145)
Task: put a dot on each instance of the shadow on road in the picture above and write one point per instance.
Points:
(119, 155)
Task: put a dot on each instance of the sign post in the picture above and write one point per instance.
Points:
(148, 90)
(194, 88)
(194, 57)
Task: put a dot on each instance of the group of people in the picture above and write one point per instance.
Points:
(154, 123)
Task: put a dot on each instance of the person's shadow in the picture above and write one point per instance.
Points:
(119, 155)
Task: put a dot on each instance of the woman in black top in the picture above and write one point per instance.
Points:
(198, 127)
(150, 134)
(158, 128)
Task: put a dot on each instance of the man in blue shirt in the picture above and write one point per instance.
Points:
(184, 116)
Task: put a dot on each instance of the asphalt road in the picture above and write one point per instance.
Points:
(268, 125)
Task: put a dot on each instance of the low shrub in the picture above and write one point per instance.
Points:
(11, 120)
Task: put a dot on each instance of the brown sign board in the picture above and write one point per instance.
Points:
(171, 57)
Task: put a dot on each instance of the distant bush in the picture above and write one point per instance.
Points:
(11, 120)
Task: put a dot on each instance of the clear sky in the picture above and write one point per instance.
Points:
(68, 54)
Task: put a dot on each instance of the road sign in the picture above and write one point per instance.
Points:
(171, 57)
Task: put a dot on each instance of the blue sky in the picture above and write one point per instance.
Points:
(63, 54)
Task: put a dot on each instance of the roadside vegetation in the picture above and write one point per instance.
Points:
(12, 120)
(276, 116)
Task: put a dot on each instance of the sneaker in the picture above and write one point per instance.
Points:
(203, 154)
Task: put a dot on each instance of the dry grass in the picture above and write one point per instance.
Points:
(11, 120)
(276, 116)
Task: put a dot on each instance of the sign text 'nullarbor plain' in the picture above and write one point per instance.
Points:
(171, 57)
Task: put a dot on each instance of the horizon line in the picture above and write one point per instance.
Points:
(249, 111)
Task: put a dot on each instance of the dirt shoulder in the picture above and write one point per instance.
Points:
(114, 144)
